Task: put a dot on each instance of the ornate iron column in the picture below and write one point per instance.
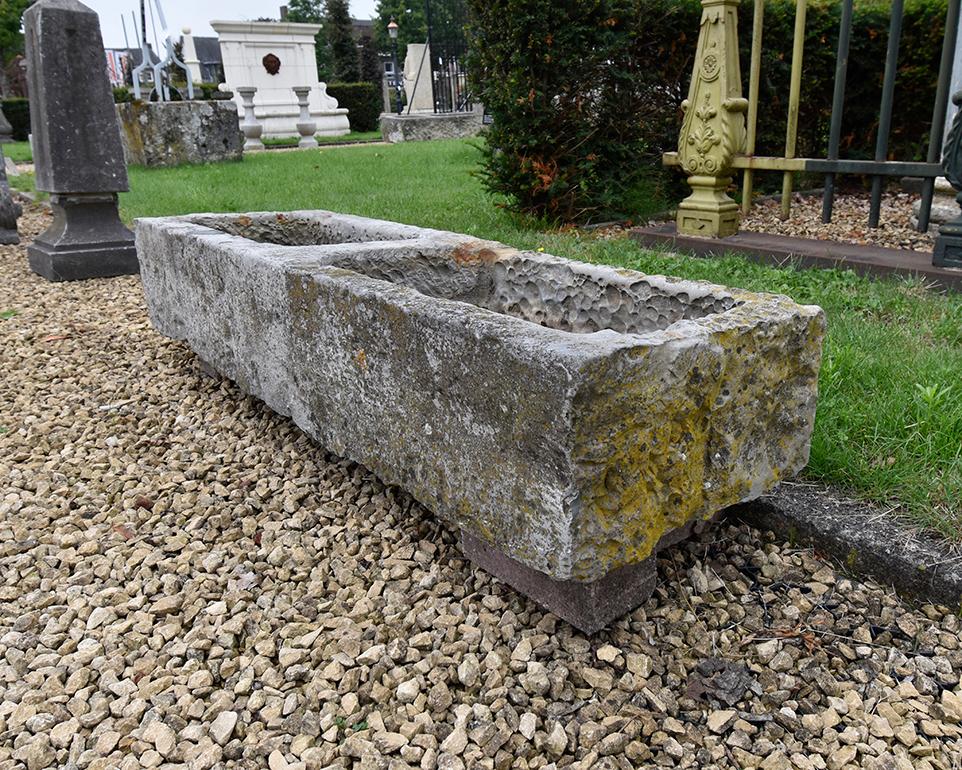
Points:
(713, 130)
(948, 246)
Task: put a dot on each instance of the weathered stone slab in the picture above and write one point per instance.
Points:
(423, 127)
(569, 417)
(178, 133)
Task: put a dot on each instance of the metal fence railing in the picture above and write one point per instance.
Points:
(447, 42)
(736, 128)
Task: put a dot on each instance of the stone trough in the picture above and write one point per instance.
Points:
(568, 419)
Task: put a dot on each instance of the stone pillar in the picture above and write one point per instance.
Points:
(251, 128)
(417, 78)
(6, 130)
(189, 52)
(713, 130)
(76, 146)
(305, 126)
(9, 209)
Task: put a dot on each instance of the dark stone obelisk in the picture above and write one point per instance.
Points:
(77, 151)
(10, 210)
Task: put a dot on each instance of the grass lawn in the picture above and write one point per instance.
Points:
(18, 152)
(889, 422)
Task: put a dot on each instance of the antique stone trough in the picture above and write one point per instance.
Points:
(568, 419)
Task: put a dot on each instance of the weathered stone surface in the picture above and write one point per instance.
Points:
(76, 145)
(176, 133)
(423, 127)
(76, 141)
(10, 210)
(570, 416)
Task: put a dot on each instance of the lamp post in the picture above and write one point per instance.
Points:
(392, 31)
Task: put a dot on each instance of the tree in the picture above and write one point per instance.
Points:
(312, 12)
(339, 31)
(371, 70)
(305, 11)
(11, 33)
(411, 21)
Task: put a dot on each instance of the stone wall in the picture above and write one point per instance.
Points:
(422, 127)
(175, 133)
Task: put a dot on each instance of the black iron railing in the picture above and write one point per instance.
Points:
(448, 44)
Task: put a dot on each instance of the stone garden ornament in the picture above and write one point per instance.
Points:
(251, 129)
(76, 145)
(305, 126)
(569, 420)
(948, 245)
(6, 130)
(713, 131)
(10, 210)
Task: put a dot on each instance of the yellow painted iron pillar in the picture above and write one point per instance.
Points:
(713, 130)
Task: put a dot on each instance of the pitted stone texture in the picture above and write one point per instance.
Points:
(425, 126)
(177, 133)
(571, 416)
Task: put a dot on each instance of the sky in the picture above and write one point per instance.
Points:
(193, 14)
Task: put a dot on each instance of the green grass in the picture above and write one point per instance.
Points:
(889, 423)
(18, 152)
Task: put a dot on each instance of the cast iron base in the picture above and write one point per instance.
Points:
(85, 240)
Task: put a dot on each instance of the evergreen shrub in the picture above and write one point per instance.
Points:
(363, 101)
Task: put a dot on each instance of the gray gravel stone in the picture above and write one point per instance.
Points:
(200, 483)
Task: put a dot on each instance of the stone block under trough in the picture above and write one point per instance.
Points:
(568, 419)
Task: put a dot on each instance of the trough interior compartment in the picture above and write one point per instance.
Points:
(293, 230)
(550, 292)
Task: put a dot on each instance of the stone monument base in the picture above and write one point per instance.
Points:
(280, 121)
(175, 133)
(424, 126)
(948, 246)
(85, 240)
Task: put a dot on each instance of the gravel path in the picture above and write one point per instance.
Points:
(186, 581)
(849, 221)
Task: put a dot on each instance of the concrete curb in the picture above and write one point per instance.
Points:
(862, 538)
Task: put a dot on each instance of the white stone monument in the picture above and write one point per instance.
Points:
(189, 52)
(274, 57)
(417, 78)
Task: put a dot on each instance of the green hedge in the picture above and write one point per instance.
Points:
(17, 111)
(363, 101)
(548, 90)
(560, 80)
(668, 34)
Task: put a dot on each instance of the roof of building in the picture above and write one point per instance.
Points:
(208, 49)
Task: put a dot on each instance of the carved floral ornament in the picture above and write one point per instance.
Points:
(714, 125)
(713, 129)
(271, 63)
